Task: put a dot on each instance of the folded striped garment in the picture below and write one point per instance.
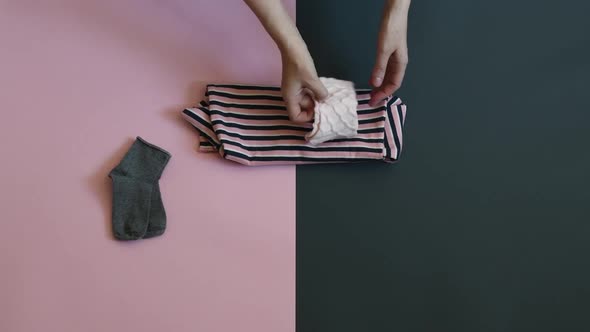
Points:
(249, 125)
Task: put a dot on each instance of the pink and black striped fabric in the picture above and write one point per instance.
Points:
(249, 125)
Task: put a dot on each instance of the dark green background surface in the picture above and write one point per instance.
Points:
(484, 224)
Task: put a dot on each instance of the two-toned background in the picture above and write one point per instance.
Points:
(482, 226)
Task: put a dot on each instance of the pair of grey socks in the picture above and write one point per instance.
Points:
(138, 211)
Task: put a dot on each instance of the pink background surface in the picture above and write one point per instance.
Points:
(78, 81)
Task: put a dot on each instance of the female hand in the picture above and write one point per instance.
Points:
(392, 51)
(300, 85)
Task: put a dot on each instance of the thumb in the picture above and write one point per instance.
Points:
(293, 109)
(318, 89)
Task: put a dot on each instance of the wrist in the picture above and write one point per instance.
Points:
(395, 14)
(293, 48)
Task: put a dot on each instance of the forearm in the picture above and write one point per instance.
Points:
(276, 21)
(397, 5)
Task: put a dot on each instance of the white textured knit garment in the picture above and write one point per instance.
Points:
(336, 116)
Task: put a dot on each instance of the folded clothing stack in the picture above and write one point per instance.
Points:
(249, 125)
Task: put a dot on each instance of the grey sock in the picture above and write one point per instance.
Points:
(136, 194)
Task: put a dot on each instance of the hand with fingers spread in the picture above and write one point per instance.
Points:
(392, 51)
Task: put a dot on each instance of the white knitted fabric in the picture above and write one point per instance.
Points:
(336, 116)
